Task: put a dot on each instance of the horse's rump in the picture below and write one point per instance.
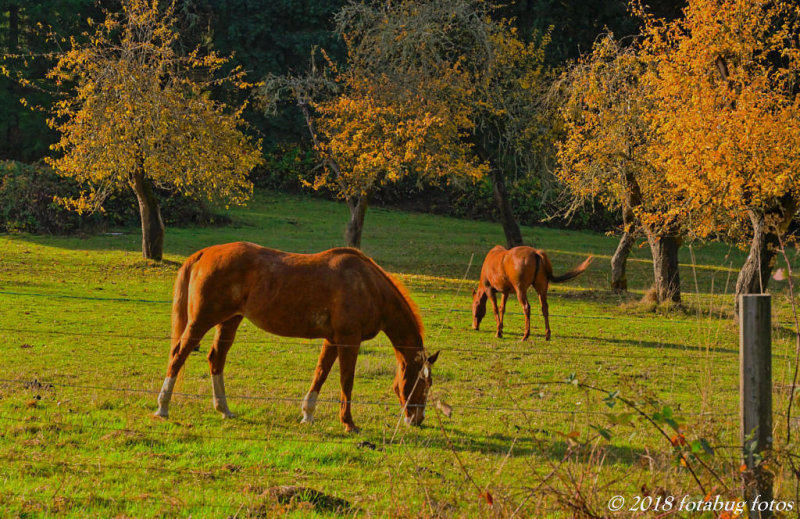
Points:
(180, 297)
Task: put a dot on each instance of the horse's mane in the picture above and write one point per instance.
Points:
(402, 291)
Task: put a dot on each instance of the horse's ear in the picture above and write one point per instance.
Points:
(474, 291)
(433, 357)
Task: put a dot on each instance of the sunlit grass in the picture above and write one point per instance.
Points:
(91, 317)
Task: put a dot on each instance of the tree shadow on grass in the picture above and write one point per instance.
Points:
(545, 444)
(646, 344)
(541, 441)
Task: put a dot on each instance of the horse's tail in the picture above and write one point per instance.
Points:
(180, 303)
(548, 267)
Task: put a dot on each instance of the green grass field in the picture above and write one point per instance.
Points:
(84, 325)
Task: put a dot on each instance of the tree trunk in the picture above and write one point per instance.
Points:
(767, 229)
(358, 209)
(755, 272)
(666, 276)
(150, 215)
(510, 226)
(619, 279)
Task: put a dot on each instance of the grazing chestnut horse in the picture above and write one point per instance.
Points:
(515, 270)
(339, 295)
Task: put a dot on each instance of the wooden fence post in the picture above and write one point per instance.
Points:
(755, 396)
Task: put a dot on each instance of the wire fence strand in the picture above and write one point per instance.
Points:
(316, 343)
(36, 384)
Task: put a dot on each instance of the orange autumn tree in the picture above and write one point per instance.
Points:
(369, 133)
(141, 116)
(473, 68)
(430, 89)
(605, 154)
(370, 142)
(726, 115)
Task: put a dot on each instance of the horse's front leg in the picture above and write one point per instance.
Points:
(348, 353)
(503, 300)
(498, 320)
(223, 341)
(327, 356)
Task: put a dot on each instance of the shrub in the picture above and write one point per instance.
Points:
(285, 168)
(26, 204)
(26, 201)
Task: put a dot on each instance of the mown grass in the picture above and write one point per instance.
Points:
(90, 317)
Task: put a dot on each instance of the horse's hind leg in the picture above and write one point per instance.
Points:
(180, 352)
(327, 356)
(526, 308)
(223, 341)
(348, 353)
(546, 314)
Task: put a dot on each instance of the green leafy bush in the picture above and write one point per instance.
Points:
(285, 168)
(26, 201)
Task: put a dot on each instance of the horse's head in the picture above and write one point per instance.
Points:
(411, 383)
(478, 306)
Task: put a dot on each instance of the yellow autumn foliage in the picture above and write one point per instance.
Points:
(439, 90)
(604, 154)
(138, 105)
(377, 141)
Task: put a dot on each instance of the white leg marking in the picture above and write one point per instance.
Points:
(309, 405)
(220, 402)
(164, 397)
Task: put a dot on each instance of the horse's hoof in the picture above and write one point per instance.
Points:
(228, 415)
(499, 335)
(547, 337)
(351, 429)
(161, 414)
(307, 419)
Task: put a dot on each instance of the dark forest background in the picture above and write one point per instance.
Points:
(276, 36)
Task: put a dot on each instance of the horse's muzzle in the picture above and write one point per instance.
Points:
(416, 419)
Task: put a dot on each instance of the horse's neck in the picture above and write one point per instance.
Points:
(404, 335)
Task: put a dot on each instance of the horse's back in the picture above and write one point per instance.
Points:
(300, 295)
(327, 294)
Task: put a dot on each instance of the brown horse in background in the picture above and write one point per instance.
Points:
(515, 270)
(339, 295)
